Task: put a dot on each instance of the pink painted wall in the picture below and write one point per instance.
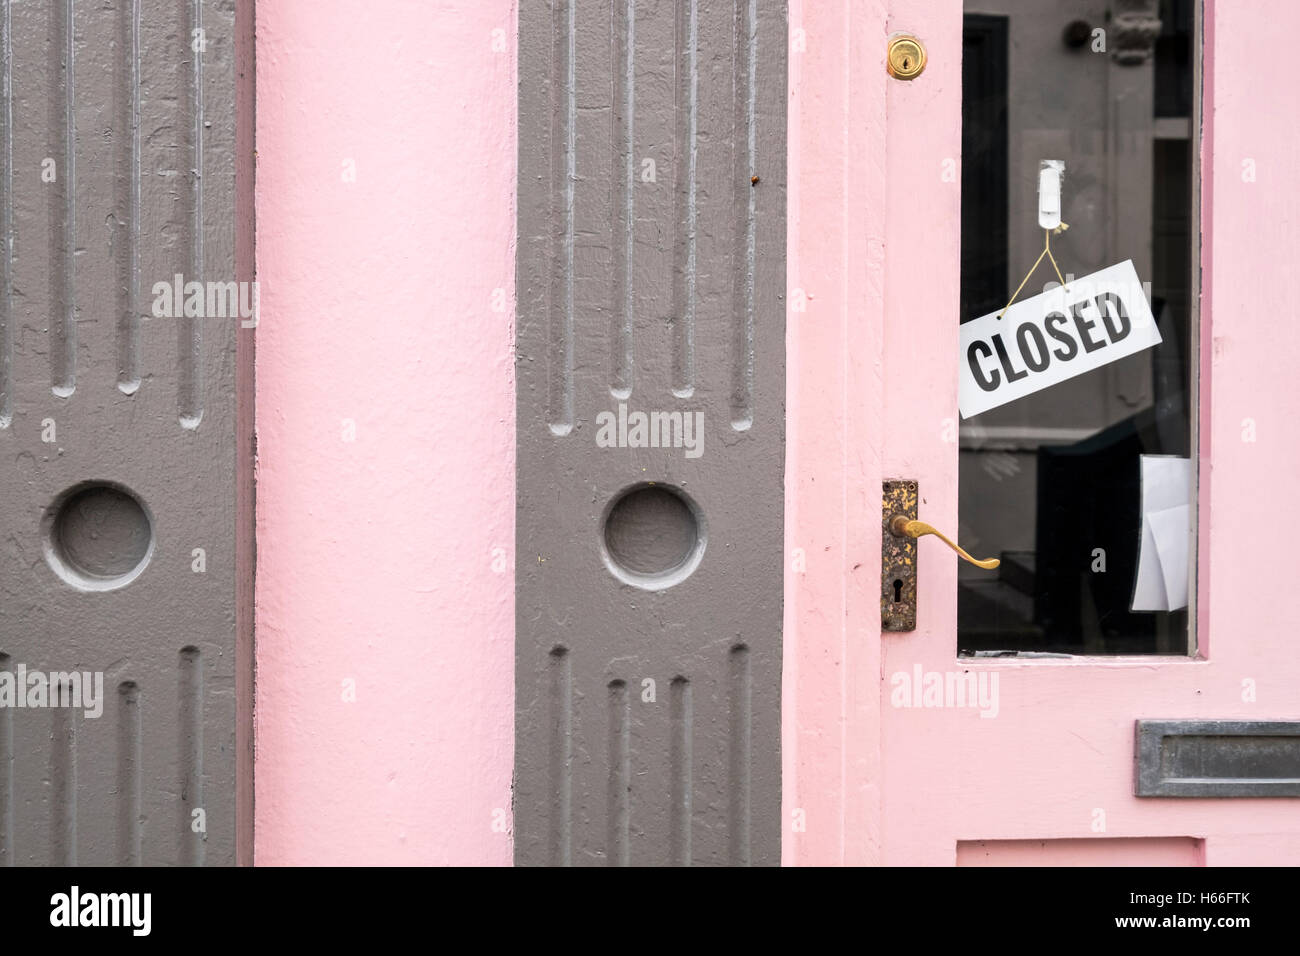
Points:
(874, 244)
(375, 556)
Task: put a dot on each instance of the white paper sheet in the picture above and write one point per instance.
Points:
(1161, 583)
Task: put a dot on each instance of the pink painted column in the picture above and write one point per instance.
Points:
(385, 419)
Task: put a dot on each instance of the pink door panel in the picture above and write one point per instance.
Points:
(1046, 773)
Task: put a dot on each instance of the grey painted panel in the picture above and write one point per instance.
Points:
(1217, 758)
(651, 278)
(118, 429)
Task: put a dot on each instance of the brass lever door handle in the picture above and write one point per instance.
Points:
(899, 507)
(901, 526)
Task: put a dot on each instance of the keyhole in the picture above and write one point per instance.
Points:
(898, 591)
(907, 65)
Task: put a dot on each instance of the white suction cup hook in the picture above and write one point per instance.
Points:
(1050, 174)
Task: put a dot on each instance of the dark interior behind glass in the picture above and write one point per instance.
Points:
(1048, 481)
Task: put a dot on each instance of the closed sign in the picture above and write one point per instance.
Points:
(1038, 342)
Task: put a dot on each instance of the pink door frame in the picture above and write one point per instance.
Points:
(385, 210)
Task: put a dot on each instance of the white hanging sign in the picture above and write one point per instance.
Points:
(1071, 329)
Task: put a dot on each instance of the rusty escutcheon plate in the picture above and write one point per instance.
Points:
(897, 559)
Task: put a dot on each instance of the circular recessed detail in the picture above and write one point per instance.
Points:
(652, 536)
(97, 536)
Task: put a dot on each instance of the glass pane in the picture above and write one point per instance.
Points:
(1051, 482)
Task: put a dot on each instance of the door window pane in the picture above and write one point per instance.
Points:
(1052, 482)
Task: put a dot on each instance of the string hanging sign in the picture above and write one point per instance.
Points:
(1071, 329)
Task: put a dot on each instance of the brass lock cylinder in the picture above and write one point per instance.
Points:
(905, 57)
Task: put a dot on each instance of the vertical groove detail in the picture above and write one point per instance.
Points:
(6, 225)
(190, 400)
(687, 109)
(564, 177)
(679, 759)
(740, 694)
(746, 51)
(620, 773)
(191, 754)
(624, 311)
(63, 231)
(63, 780)
(128, 326)
(561, 668)
(128, 774)
(6, 759)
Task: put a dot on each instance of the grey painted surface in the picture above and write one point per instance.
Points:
(649, 652)
(1217, 758)
(140, 132)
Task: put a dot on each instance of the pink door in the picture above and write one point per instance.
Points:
(1121, 688)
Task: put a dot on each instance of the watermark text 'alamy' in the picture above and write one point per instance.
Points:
(207, 300)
